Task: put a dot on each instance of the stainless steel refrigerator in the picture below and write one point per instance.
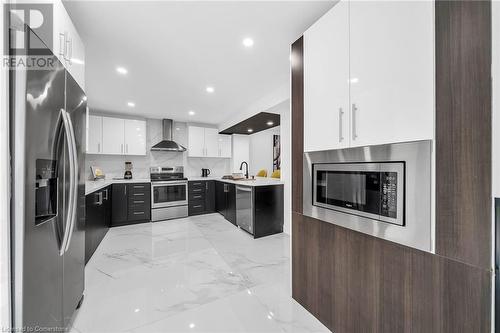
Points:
(47, 137)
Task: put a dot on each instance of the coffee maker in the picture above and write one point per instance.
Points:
(128, 170)
(205, 172)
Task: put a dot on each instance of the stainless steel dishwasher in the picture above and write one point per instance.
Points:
(244, 208)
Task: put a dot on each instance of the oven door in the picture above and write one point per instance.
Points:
(372, 190)
(168, 194)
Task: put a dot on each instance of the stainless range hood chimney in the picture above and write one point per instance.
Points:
(168, 143)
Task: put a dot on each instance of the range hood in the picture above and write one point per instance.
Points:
(168, 144)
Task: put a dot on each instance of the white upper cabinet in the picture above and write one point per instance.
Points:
(206, 142)
(211, 142)
(196, 141)
(369, 75)
(326, 81)
(113, 133)
(392, 71)
(94, 135)
(67, 44)
(225, 146)
(116, 136)
(135, 137)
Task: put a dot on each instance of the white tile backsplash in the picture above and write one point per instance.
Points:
(114, 165)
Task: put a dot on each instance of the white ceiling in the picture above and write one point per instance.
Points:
(173, 50)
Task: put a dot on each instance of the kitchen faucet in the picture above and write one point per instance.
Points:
(241, 168)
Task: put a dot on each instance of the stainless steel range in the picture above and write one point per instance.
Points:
(168, 193)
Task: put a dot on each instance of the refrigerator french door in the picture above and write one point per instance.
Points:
(47, 131)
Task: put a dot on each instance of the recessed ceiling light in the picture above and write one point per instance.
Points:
(192, 113)
(270, 123)
(192, 325)
(210, 89)
(249, 130)
(122, 70)
(248, 42)
(131, 104)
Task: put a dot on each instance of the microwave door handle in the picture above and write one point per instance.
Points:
(69, 144)
(74, 182)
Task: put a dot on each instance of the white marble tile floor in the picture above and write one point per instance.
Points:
(197, 274)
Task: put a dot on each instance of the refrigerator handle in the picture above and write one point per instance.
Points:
(71, 201)
(74, 188)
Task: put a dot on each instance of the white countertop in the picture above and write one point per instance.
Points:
(258, 181)
(94, 185)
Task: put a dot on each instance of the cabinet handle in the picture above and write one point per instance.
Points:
(98, 147)
(138, 213)
(354, 109)
(196, 196)
(138, 186)
(106, 191)
(126, 147)
(197, 190)
(99, 201)
(121, 148)
(196, 184)
(206, 186)
(125, 187)
(62, 44)
(69, 44)
(197, 206)
(138, 193)
(341, 115)
(138, 201)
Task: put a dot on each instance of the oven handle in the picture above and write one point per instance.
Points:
(168, 183)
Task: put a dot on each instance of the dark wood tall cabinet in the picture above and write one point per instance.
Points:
(353, 282)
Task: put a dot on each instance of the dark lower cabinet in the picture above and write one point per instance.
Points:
(201, 197)
(268, 210)
(131, 203)
(225, 200)
(97, 220)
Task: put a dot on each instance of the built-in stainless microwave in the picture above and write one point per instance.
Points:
(383, 190)
(372, 190)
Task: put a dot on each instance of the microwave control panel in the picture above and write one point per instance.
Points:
(389, 182)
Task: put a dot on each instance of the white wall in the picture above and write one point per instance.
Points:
(113, 165)
(261, 150)
(4, 190)
(240, 151)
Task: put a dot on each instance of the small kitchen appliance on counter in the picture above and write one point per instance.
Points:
(128, 170)
(168, 193)
(205, 172)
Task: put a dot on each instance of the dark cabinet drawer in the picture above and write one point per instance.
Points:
(197, 196)
(196, 207)
(139, 189)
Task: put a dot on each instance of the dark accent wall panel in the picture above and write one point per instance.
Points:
(353, 283)
(297, 122)
(463, 131)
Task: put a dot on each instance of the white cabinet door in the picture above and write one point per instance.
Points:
(94, 135)
(196, 141)
(224, 146)
(392, 71)
(326, 81)
(113, 135)
(135, 137)
(67, 44)
(211, 142)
